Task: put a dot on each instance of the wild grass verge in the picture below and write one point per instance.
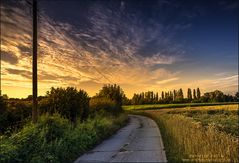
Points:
(187, 139)
(54, 139)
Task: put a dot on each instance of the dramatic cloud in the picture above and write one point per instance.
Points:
(9, 57)
(112, 46)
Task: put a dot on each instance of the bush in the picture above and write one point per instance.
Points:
(109, 98)
(68, 102)
(3, 115)
(44, 106)
(2, 104)
(33, 140)
(98, 104)
(112, 92)
(13, 114)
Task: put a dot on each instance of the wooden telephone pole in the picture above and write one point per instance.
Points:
(34, 64)
(0, 52)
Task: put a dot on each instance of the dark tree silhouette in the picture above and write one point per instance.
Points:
(162, 95)
(189, 94)
(194, 94)
(114, 93)
(69, 103)
(198, 93)
(237, 96)
(180, 94)
(174, 95)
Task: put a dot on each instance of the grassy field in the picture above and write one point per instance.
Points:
(161, 106)
(200, 134)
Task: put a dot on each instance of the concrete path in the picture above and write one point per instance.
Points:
(139, 141)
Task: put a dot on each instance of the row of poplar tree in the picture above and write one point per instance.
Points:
(175, 96)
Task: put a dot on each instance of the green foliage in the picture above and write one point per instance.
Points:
(109, 98)
(194, 94)
(54, 139)
(3, 114)
(126, 101)
(198, 93)
(2, 103)
(179, 96)
(176, 96)
(237, 96)
(151, 97)
(114, 93)
(44, 106)
(190, 94)
(102, 104)
(215, 96)
(13, 114)
(68, 102)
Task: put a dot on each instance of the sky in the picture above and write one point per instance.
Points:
(142, 45)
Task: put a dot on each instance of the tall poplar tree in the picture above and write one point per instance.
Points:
(189, 94)
(198, 93)
(180, 94)
(194, 94)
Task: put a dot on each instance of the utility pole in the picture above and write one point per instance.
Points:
(34, 64)
(0, 53)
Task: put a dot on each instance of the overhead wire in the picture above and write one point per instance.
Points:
(68, 41)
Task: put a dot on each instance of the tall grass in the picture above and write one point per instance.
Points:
(54, 140)
(224, 118)
(188, 140)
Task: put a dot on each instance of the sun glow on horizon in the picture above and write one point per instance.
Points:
(131, 51)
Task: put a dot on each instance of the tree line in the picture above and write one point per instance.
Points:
(70, 103)
(76, 104)
(177, 96)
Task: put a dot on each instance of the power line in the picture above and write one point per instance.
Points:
(72, 46)
(68, 41)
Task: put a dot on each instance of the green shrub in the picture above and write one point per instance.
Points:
(101, 103)
(13, 115)
(114, 93)
(2, 103)
(3, 115)
(44, 107)
(53, 127)
(68, 102)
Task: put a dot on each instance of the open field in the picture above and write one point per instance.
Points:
(201, 134)
(161, 106)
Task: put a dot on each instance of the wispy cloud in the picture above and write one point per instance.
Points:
(160, 59)
(221, 74)
(229, 80)
(167, 81)
(110, 47)
(116, 44)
